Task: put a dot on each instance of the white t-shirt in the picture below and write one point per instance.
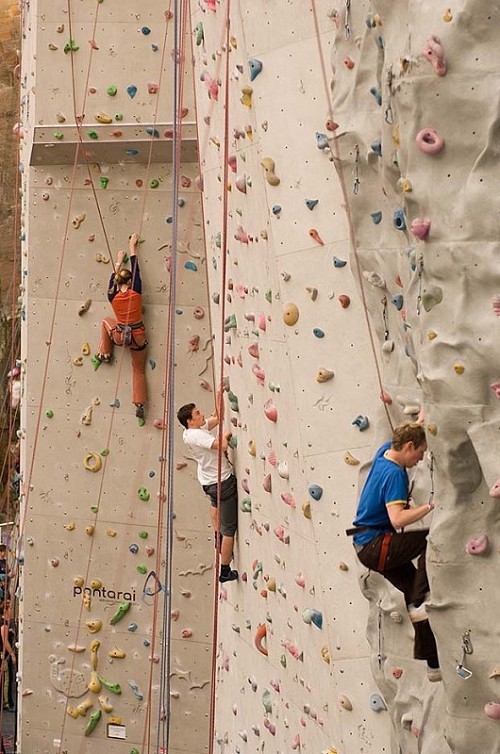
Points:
(200, 442)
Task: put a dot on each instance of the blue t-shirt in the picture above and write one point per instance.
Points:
(386, 484)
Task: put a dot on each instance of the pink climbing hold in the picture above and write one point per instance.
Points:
(477, 545)
(259, 373)
(492, 710)
(495, 490)
(253, 350)
(211, 84)
(300, 580)
(241, 183)
(272, 458)
(316, 237)
(232, 162)
(495, 386)
(262, 322)
(245, 485)
(434, 53)
(385, 398)
(267, 483)
(280, 532)
(296, 742)
(429, 141)
(211, 5)
(241, 235)
(288, 499)
(270, 410)
(241, 290)
(420, 227)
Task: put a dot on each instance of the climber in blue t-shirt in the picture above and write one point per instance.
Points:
(384, 509)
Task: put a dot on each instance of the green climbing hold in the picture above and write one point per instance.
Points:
(233, 401)
(268, 295)
(141, 421)
(199, 35)
(246, 505)
(112, 90)
(115, 688)
(104, 180)
(143, 494)
(121, 610)
(141, 569)
(92, 135)
(119, 116)
(105, 452)
(94, 508)
(143, 534)
(49, 413)
(71, 46)
(96, 363)
(134, 751)
(94, 719)
(58, 135)
(154, 183)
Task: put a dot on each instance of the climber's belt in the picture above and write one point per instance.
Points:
(124, 328)
(384, 549)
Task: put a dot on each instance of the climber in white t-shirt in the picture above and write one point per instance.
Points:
(203, 442)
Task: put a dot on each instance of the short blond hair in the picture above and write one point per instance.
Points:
(409, 432)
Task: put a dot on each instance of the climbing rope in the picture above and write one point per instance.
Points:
(341, 177)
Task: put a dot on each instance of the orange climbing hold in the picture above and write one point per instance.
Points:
(260, 635)
(316, 236)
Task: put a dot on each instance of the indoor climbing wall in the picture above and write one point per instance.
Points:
(103, 592)
(294, 667)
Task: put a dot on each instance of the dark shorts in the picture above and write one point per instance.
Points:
(228, 504)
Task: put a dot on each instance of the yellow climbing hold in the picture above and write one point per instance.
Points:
(94, 626)
(291, 315)
(432, 428)
(86, 349)
(447, 16)
(117, 654)
(103, 118)
(84, 706)
(252, 448)
(246, 96)
(77, 361)
(269, 165)
(87, 601)
(78, 581)
(105, 704)
(94, 684)
(406, 186)
(96, 584)
(459, 368)
(350, 459)
(395, 135)
(111, 532)
(431, 335)
(325, 375)
(325, 654)
(92, 462)
(70, 526)
(306, 509)
(73, 712)
(116, 720)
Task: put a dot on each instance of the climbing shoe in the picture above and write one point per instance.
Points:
(417, 614)
(228, 576)
(433, 674)
(139, 411)
(99, 359)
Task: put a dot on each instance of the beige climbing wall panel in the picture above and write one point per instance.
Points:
(92, 539)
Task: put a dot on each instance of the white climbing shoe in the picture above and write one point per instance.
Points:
(417, 614)
(433, 674)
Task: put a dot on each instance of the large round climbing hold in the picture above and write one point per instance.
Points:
(92, 462)
(291, 315)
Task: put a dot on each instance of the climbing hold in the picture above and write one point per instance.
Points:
(260, 636)
(92, 462)
(492, 710)
(269, 167)
(350, 459)
(338, 263)
(115, 688)
(143, 494)
(104, 180)
(199, 34)
(94, 626)
(398, 301)
(431, 296)
(246, 505)
(156, 135)
(270, 410)
(267, 483)
(49, 414)
(313, 233)
(311, 203)
(377, 703)
(344, 301)
(131, 91)
(420, 227)
(376, 147)
(291, 315)
(448, 15)
(71, 46)
(362, 422)
(276, 209)
(434, 53)
(318, 333)
(78, 220)
(246, 96)
(255, 67)
(377, 94)
(315, 491)
(325, 375)
(310, 615)
(306, 510)
(428, 141)
(84, 307)
(345, 702)
(92, 723)
(121, 610)
(376, 217)
(398, 219)
(477, 545)
(189, 265)
(459, 368)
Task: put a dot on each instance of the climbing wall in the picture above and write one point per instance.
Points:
(95, 517)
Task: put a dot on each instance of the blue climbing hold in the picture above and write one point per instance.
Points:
(146, 30)
(132, 627)
(376, 147)
(315, 491)
(399, 220)
(255, 68)
(322, 141)
(318, 333)
(376, 217)
(146, 642)
(132, 152)
(152, 131)
(339, 262)
(377, 703)
(134, 549)
(169, 219)
(376, 93)
(380, 43)
(189, 265)
(115, 403)
(131, 91)
(361, 422)
(276, 209)
(151, 474)
(181, 202)
(311, 203)
(398, 301)
(152, 363)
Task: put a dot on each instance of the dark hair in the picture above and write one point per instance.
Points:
(3, 548)
(410, 432)
(185, 413)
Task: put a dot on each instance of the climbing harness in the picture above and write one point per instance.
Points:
(127, 331)
(356, 184)
(467, 649)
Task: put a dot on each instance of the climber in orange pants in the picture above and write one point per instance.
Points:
(127, 328)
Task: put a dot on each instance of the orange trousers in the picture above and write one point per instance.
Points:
(111, 336)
